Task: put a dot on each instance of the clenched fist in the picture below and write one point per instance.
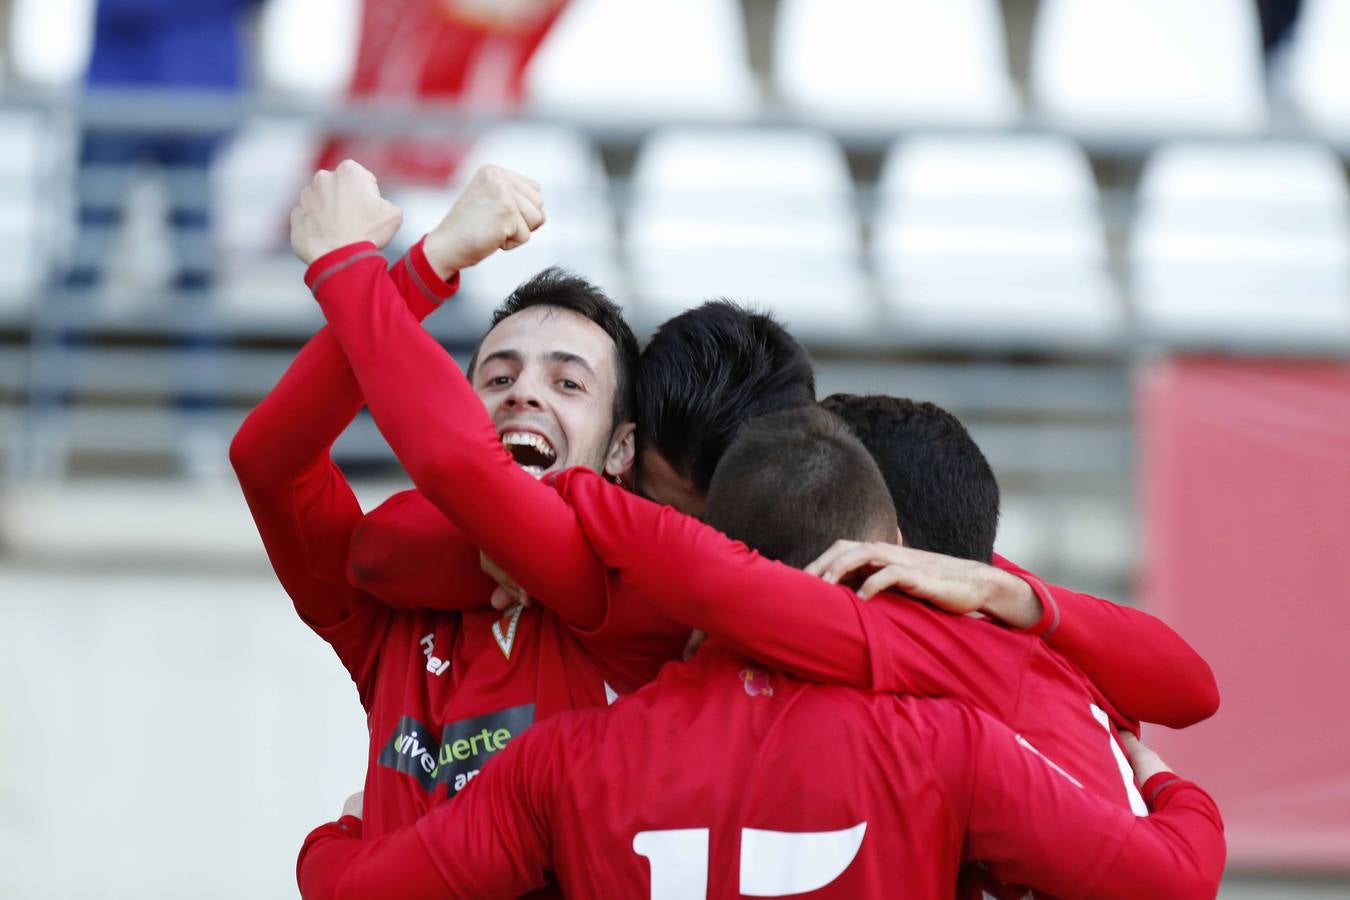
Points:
(497, 211)
(341, 207)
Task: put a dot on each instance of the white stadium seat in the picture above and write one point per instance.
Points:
(617, 60)
(867, 62)
(579, 231)
(308, 46)
(761, 216)
(1246, 242)
(50, 40)
(1317, 65)
(993, 235)
(1149, 65)
(255, 181)
(27, 151)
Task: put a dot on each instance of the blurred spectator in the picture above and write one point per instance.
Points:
(156, 45)
(472, 51)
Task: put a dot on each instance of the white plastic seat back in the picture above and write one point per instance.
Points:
(25, 173)
(1317, 65)
(1151, 65)
(996, 234)
(578, 233)
(309, 46)
(870, 61)
(1243, 243)
(765, 216)
(256, 179)
(617, 60)
(50, 40)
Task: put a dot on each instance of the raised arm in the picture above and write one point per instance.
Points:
(301, 502)
(493, 841)
(1030, 825)
(1142, 666)
(779, 615)
(442, 434)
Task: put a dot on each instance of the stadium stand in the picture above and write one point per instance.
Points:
(994, 236)
(1317, 67)
(50, 41)
(581, 225)
(617, 61)
(1150, 65)
(28, 151)
(879, 62)
(752, 215)
(1247, 242)
(308, 47)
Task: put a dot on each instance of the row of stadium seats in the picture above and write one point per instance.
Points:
(997, 235)
(1149, 65)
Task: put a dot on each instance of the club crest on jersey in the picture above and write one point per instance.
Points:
(504, 629)
(756, 683)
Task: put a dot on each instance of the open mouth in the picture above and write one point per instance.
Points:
(532, 452)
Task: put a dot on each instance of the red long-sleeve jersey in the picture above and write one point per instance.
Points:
(442, 691)
(728, 779)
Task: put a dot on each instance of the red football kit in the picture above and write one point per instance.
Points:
(442, 691)
(727, 779)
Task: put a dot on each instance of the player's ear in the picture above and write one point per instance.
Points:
(622, 451)
(899, 536)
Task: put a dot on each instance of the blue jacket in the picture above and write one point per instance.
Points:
(169, 43)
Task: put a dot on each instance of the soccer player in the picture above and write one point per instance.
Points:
(728, 778)
(443, 692)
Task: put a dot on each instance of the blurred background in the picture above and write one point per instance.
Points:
(1113, 237)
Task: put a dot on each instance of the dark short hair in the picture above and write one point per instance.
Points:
(794, 482)
(945, 494)
(562, 289)
(705, 373)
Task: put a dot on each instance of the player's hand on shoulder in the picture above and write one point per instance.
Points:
(498, 210)
(341, 207)
(954, 585)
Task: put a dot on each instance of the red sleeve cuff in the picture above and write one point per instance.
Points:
(432, 287)
(1153, 788)
(335, 261)
(1050, 614)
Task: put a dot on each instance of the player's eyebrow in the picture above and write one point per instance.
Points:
(562, 356)
(511, 356)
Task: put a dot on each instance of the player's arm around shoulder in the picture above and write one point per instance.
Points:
(1034, 826)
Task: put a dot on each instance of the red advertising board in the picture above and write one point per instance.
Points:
(1246, 498)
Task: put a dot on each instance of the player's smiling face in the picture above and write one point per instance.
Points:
(547, 377)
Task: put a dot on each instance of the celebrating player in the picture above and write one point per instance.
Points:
(728, 778)
(443, 692)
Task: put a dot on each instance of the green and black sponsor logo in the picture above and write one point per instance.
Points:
(461, 751)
